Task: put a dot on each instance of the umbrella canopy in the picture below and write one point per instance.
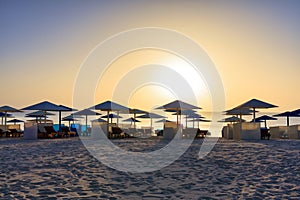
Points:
(111, 116)
(109, 106)
(254, 103)
(70, 118)
(99, 120)
(135, 111)
(264, 118)
(46, 106)
(178, 105)
(199, 120)
(63, 109)
(86, 113)
(239, 112)
(39, 113)
(7, 109)
(131, 120)
(15, 121)
(287, 114)
(232, 119)
(2, 115)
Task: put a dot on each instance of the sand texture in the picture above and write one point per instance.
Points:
(64, 169)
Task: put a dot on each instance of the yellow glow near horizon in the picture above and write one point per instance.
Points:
(128, 69)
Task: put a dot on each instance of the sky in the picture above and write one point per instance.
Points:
(254, 45)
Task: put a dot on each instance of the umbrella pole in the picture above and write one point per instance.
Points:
(5, 121)
(107, 123)
(118, 118)
(59, 121)
(254, 115)
(177, 116)
(186, 119)
(151, 125)
(2, 121)
(45, 121)
(288, 120)
(134, 116)
(69, 124)
(265, 123)
(86, 123)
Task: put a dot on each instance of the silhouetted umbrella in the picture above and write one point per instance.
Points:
(264, 118)
(15, 121)
(254, 103)
(7, 109)
(45, 106)
(178, 106)
(112, 116)
(131, 120)
(39, 114)
(70, 118)
(109, 106)
(99, 120)
(239, 112)
(151, 116)
(199, 120)
(135, 111)
(2, 115)
(232, 119)
(63, 109)
(194, 116)
(287, 114)
(86, 113)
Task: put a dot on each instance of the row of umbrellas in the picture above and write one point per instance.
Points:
(177, 106)
(250, 108)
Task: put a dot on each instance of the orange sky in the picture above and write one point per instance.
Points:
(254, 45)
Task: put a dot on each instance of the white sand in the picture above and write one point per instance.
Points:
(64, 169)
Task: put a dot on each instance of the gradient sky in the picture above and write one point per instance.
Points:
(254, 44)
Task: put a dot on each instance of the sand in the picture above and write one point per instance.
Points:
(64, 169)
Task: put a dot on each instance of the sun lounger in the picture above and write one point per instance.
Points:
(67, 132)
(3, 133)
(15, 133)
(52, 133)
(42, 133)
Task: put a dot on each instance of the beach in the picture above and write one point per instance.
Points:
(64, 169)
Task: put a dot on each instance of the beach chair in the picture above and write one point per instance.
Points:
(52, 133)
(116, 132)
(15, 133)
(67, 132)
(3, 133)
(42, 133)
(201, 133)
